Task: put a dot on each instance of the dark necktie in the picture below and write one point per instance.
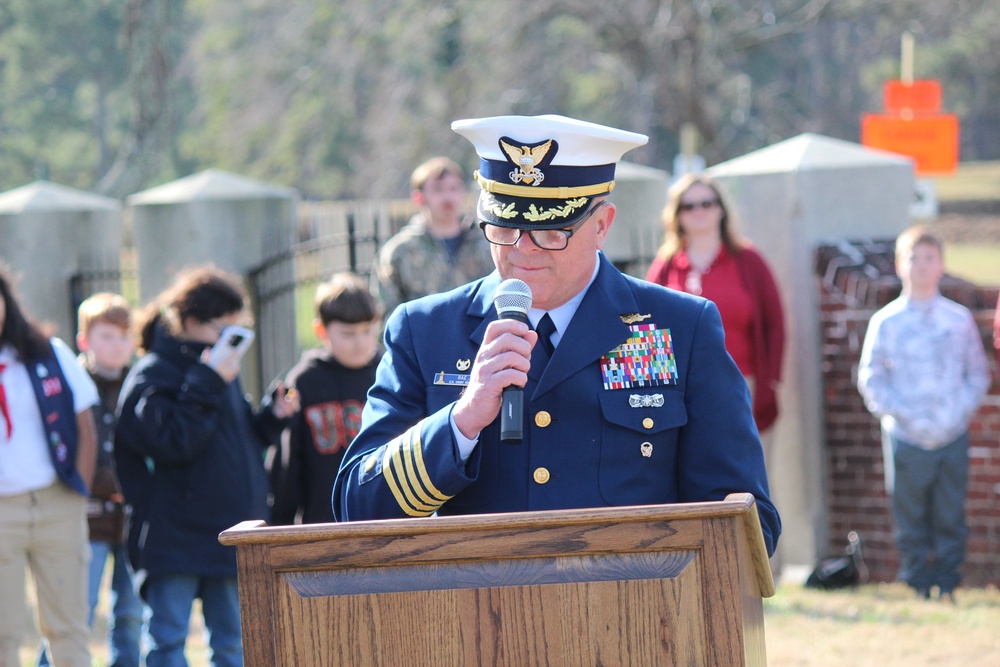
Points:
(546, 327)
(3, 404)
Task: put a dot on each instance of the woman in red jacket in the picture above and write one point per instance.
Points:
(703, 255)
(996, 330)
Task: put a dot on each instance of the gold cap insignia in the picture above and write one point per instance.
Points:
(526, 159)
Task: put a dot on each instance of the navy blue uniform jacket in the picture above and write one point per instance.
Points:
(690, 439)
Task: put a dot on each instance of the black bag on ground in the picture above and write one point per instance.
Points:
(843, 570)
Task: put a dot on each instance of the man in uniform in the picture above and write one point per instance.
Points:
(629, 397)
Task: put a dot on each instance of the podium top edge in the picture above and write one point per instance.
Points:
(258, 532)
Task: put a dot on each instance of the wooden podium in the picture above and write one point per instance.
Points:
(647, 585)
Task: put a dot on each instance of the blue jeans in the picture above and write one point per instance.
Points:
(125, 623)
(126, 607)
(928, 505)
(170, 597)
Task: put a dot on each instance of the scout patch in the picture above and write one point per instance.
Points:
(646, 359)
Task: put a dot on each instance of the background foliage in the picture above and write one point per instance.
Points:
(341, 99)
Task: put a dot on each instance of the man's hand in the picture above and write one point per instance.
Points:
(503, 360)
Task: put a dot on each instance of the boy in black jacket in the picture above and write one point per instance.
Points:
(332, 382)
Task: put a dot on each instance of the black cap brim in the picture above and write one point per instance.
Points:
(528, 213)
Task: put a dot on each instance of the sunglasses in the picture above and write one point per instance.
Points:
(690, 206)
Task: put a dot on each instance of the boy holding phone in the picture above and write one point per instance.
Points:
(332, 382)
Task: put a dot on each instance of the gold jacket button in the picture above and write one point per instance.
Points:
(541, 475)
(647, 422)
(542, 419)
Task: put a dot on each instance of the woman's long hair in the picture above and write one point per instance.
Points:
(29, 339)
(674, 240)
(203, 293)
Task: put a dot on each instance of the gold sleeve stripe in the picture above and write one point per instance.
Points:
(414, 491)
(402, 481)
(390, 481)
(496, 187)
(416, 471)
(400, 464)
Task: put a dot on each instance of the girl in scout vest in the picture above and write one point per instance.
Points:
(47, 455)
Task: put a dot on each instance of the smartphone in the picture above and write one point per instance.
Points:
(234, 339)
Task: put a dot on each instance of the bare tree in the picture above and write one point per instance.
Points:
(153, 39)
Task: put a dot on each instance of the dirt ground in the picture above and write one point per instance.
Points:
(968, 228)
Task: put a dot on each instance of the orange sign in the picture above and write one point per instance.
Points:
(917, 96)
(931, 140)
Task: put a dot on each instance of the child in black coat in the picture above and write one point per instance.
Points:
(332, 382)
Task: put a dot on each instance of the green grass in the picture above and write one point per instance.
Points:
(971, 181)
(881, 625)
(305, 313)
(977, 263)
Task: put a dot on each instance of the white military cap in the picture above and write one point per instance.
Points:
(543, 172)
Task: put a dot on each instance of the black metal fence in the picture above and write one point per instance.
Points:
(116, 273)
(331, 237)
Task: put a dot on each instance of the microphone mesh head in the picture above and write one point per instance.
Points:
(513, 295)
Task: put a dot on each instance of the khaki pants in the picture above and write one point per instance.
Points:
(45, 530)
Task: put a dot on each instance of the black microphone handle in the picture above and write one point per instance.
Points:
(512, 402)
(512, 415)
(514, 315)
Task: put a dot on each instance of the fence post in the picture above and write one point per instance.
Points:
(50, 233)
(788, 198)
(235, 223)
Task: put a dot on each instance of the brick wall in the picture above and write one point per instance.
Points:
(855, 280)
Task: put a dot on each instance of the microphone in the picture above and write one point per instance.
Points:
(512, 301)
